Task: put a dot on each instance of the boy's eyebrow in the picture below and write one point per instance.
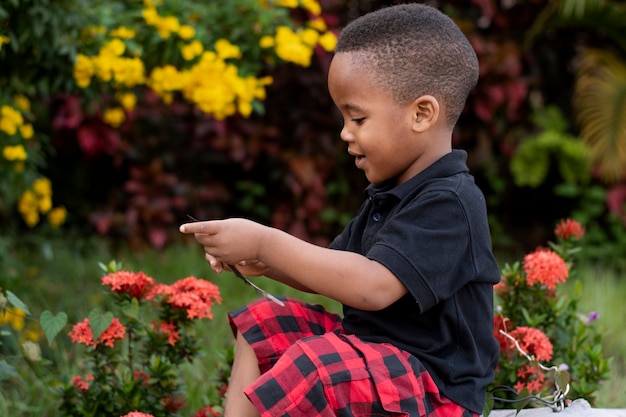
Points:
(351, 107)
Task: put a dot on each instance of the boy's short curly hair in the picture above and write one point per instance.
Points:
(415, 50)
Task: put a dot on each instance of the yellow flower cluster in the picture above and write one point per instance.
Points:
(110, 66)
(38, 200)
(298, 46)
(213, 84)
(16, 319)
(209, 79)
(3, 40)
(12, 123)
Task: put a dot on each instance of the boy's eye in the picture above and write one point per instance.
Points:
(358, 120)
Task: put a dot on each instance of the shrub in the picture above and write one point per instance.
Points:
(537, 324)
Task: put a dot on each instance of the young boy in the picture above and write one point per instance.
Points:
(414, 269)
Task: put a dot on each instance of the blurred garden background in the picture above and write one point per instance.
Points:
(119, 118)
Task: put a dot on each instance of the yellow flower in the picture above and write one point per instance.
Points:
(128, 71)
(14, 153)
(57, 216)
(27, 131)
(328, 41)
(114, 117)
(127, 100)
(226, 49)
(44, 204)
(14, 317)
(123, 32)
(42, 187)
(292, 4)
(266, 41)
(150, 15)
(186, 32)
(3, 40)
(83, 70)
(165, 79)
(27, 202)
(31, 218)
(318, 24)
(103, 66)
(289, 47)
(310, 36)
(115, 47)
(312, 6)
(167, 25)
(192, 50)
(10, 120)
(22, 102)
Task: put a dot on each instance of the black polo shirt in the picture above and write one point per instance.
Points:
(432, 233)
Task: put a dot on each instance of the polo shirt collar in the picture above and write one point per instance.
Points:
(449, 164)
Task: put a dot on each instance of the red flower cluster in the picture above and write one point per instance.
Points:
(81, 333)
(137, 414)
(545, 267)
(194, 295)
(82, 383)
(531, 378)
(569, 229)
(168, 329)
(207, 411)
(501, 323)
(135, 284)
(532, 341)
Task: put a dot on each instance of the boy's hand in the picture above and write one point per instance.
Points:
(230, 241)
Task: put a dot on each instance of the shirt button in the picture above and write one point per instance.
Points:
(376, 217)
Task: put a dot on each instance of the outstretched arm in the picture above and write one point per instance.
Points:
(347, 277)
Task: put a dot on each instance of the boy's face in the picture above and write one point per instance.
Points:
(379, 131)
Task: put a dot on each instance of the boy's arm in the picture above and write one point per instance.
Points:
(347, 277)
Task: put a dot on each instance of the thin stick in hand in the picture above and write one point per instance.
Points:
(246, 280)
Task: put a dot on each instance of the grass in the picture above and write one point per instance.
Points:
(65, 277)
(605, 292)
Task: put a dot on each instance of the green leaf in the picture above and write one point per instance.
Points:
(15, 301)
(131, 309)
(488, 407)
(99, 322)
(519, 406)
(6, 371)
(52, 324)
(561, 378)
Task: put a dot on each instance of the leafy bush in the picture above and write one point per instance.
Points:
(536, 324)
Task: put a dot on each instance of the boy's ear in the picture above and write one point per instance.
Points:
(425, 113)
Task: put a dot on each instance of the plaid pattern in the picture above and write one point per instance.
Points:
(311, 368)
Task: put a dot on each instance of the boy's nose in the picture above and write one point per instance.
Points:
(345, 135)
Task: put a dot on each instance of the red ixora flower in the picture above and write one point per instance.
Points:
(531, 378)
(135, 284)
(81, 333)
(137, 414)
(532, 341)
(569, 229)
(168, 329)
(501, 323)
(194, 295)
(82, 383)
(545, 267)
(207, 411)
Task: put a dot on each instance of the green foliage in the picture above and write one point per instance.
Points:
(38, 59)
(132, 355)
(532, 160)
(559, 350)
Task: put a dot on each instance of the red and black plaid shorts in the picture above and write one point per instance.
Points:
(310, 367)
